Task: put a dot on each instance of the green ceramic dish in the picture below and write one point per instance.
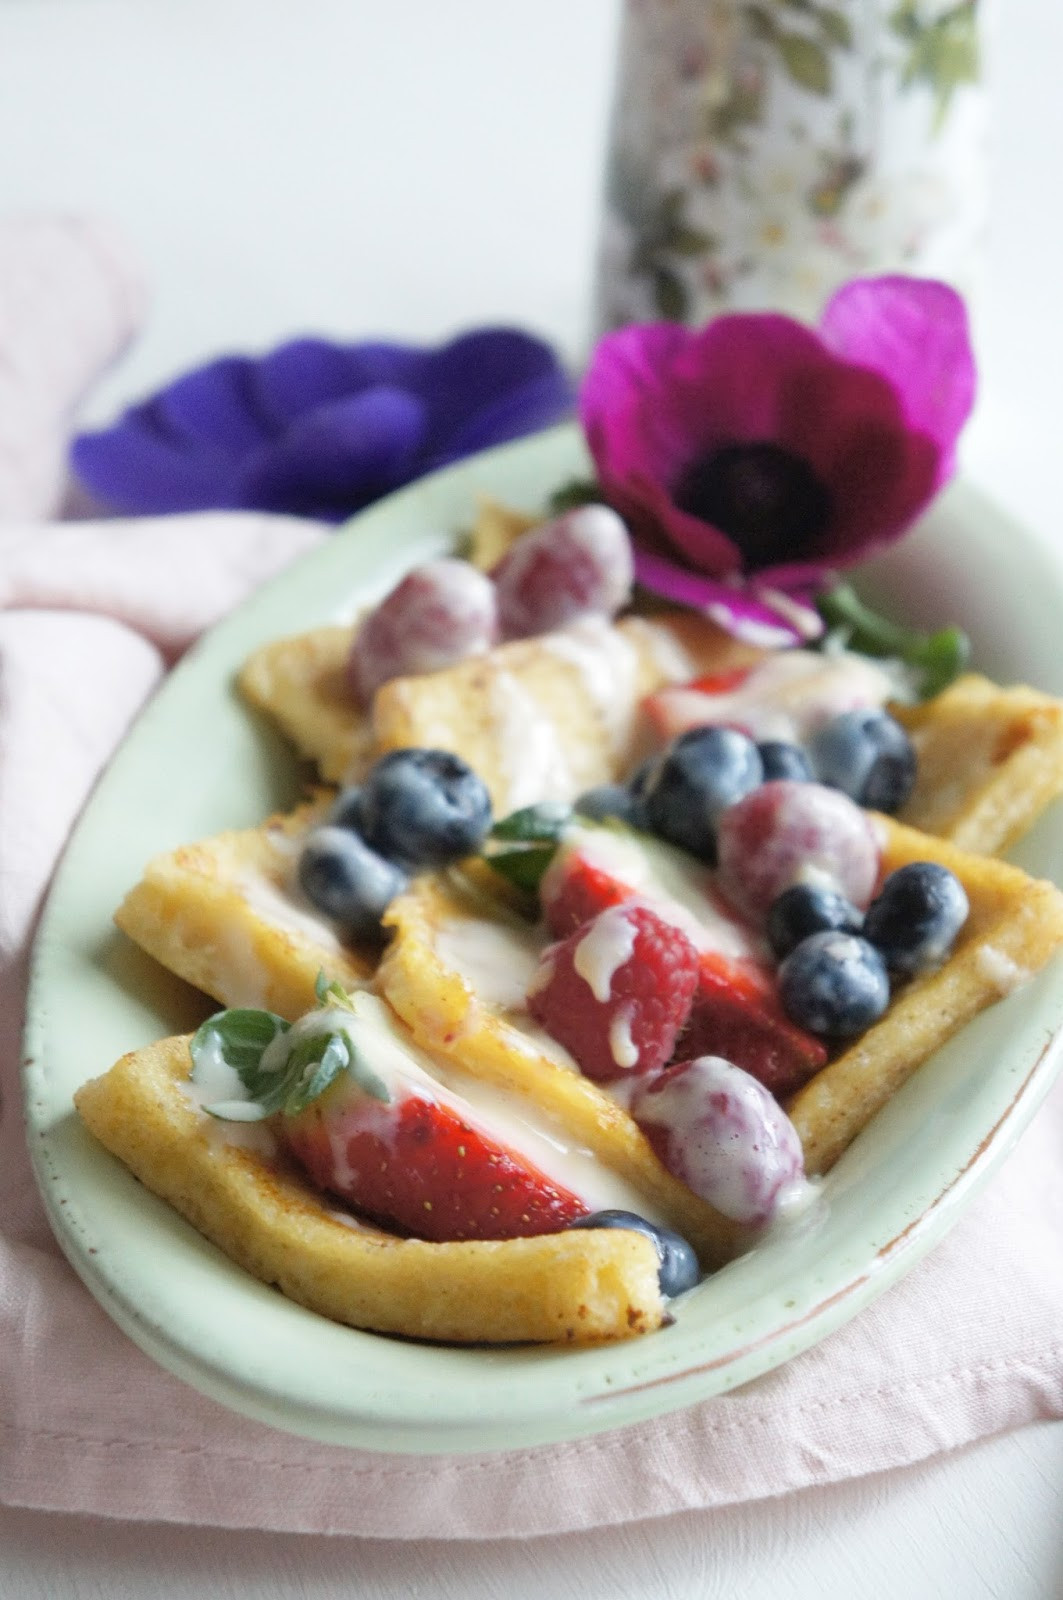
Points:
(197, 762)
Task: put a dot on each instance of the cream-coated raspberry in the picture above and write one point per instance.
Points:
(576, 566)
(440, 613)
(787, 832)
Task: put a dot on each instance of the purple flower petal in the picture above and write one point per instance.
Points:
(915, 333)
(872, 408)
(478, 371)
(214, 407)
(320, 428)
(766, 619)
(138, 467)
(536, 404)
(306, 373)
(339, 457)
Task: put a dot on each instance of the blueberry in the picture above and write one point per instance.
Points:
(424, 808)
(781, 760)
(610, 800)
(702, 773)
(868, 756)
(835, 984)
(342, 877)
(804, 909)
(678, 1269)
(917, 915)
(346, 810)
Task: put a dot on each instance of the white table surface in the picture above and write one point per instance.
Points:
(414, 167)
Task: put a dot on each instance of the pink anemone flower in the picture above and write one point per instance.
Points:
(755, 457)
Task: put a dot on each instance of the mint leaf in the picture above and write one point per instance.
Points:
(936, 658)
(329, 991)
(526, 868)
(240, 1036)
(576, 492)
(311, 1070)
(544, 821)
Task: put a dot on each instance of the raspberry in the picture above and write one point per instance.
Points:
(617, 992)
(720, 1132)
(440, 613)
(788, 832)
(578, 565)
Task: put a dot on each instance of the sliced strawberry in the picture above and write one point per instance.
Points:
(617, 992)
(417, 1164)
(736, 1014)
(575, 889)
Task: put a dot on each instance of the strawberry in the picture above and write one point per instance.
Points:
(736, 1014)
(736, 1011)
(416, 1163)
(617, 992)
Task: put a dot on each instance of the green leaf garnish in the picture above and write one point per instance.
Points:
(532, 824)
(936, 658)
(525, 868)
(576, 492)
(240, 1036)
(536, 832)
(288, 1080)
(328, 990)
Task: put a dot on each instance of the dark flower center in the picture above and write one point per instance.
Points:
(768, 501)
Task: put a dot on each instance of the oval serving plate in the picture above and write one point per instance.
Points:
(197, 762)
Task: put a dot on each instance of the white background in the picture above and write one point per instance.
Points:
(407, 168)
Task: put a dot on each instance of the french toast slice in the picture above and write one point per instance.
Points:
(537, 718)
(226, 915)
(577, 1287)
(1014, 927)
(990, 761)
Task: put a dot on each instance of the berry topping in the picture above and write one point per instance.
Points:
(698, 777)
(736, 1014)
(781, 760)
(341, 876)
(722, 1134)
(868, 756)
(610, 800)
(578, 565)
(808, 908)
(786, 833)
(439, 613)
(346, 810)
(834, 984)
(424, 808)
(916, 916)
(617, 992)
(414, 1162)
(678, 1270)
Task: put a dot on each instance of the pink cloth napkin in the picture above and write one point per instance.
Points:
(969, 1343)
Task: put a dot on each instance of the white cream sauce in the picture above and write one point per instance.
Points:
(1000, 970)
(788, 695)
(604, 949)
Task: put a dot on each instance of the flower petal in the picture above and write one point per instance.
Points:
(914, 331)
(476, 372)
(216, 406)
(303, 374)
(533, 406)
(339, 457)
(138, 465)
(768, 621)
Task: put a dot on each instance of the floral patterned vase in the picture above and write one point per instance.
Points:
(764, 151)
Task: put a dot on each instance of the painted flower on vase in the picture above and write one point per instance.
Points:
(755, 458)
(318, 429)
